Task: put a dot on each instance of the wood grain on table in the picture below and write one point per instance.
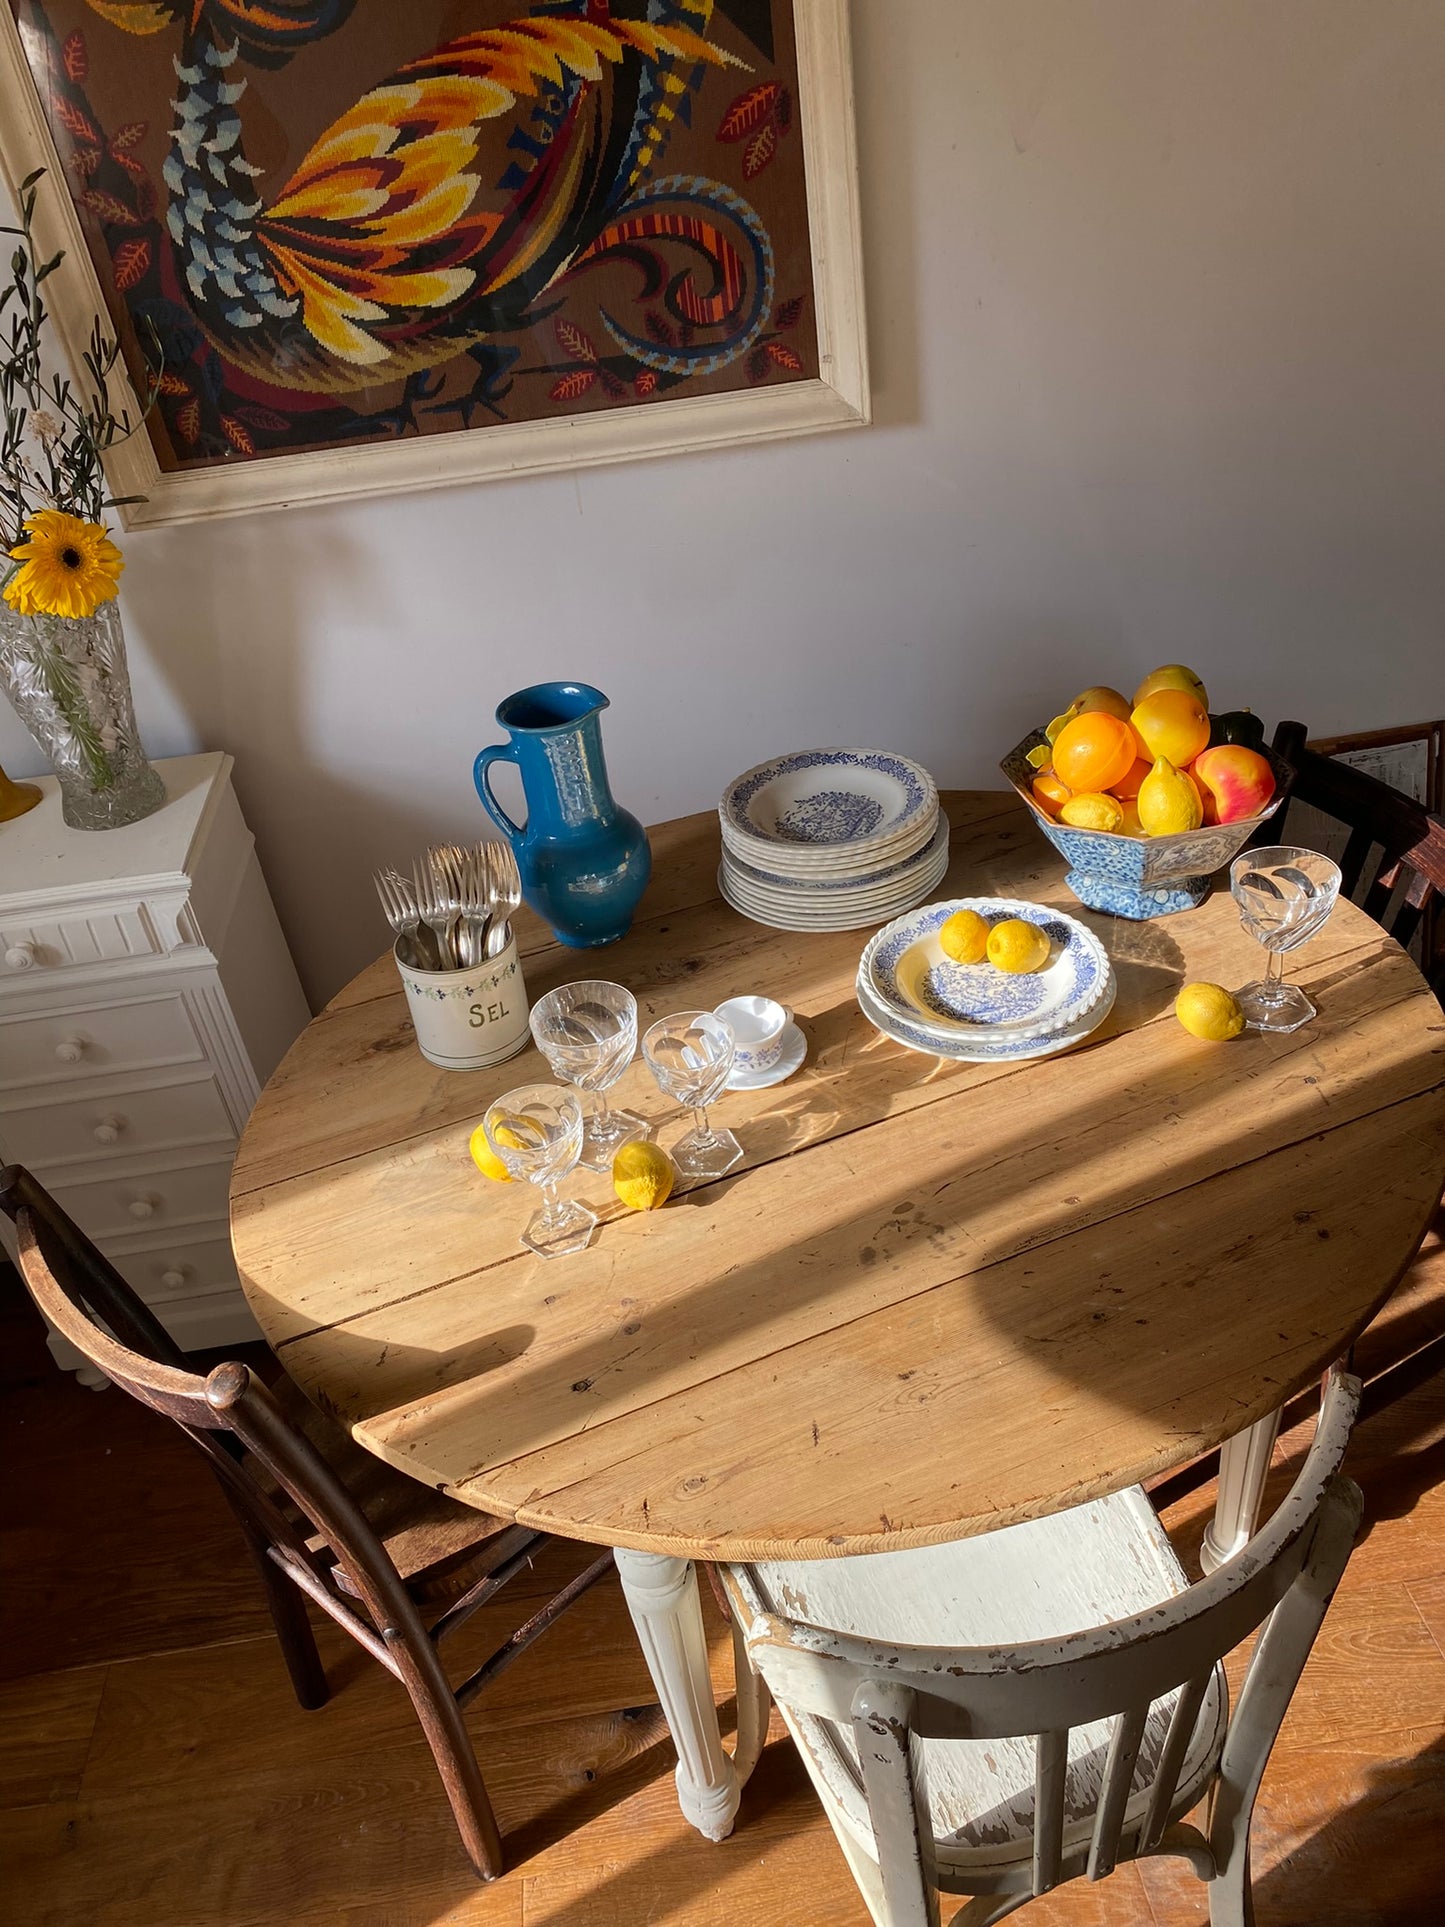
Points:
(935, 1298)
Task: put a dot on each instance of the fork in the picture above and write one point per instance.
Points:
(398, 905)
(475, 898)
(436, 904)
(506, 895)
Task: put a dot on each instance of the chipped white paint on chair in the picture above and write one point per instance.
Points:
(1004, 1713)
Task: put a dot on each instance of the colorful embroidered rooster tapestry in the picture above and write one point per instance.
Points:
(346, 220)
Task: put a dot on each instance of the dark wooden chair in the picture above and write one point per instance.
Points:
(323, 1520)
(1409, 870)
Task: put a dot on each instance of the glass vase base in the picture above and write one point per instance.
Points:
(699, 1156)
(600, 1148)
(558, 1233)
(1279, 1007)
(136, 794)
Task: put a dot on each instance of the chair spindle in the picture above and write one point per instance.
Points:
(1171, 1759)
(1051, 1757)
(1114, 1792)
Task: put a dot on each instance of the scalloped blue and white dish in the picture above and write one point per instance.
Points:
(881, 879)
(1142, 876)
(911, 978)
(814, 806)
(981, 1050)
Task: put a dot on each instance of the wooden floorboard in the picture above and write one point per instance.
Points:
(155, 1771)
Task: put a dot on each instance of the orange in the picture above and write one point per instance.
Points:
(1173, 724)
(1128, 786)
(1095, 751)
(1049, 793)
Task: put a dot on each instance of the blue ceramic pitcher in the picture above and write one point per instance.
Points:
(584, 861)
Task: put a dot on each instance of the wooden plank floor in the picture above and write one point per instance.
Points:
(155, 1771)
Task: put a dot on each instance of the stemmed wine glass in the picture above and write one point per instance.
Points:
(588, 1034)
(690, 1054)
(1284, 895)
(536, 1131)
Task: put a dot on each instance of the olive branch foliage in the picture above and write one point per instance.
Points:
(54, 436)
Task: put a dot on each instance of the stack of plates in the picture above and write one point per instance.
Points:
(831, 839)
(912, 992)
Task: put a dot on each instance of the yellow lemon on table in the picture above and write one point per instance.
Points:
(1169, 801)
(1208, 1011)
(1092, 810)
(642, 1175)
(1017, 947)
(486, 1159)
(964, 937)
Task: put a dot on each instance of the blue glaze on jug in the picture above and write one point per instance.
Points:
(584, 860)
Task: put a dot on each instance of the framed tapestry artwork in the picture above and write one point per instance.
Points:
(373, 246)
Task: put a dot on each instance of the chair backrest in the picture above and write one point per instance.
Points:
(258, 1455)
(1409, 839)
(892, 1695)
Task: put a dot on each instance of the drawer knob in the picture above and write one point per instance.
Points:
(143, 1207)
(173, 1278)
(70, 1050)
(20, 956)
(108, 1130)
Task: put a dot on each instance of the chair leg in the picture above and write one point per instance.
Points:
(1231, 1898)
(753, 1700)
(294, 1636)
(445, 1727)
(288, 1616)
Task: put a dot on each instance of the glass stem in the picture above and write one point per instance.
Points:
(551, 1203)
(1274, 976)
(700, 1124)
(604, 1115)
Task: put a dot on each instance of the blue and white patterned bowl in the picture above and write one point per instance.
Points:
(907, 972)
(870, 880)
(979, 1050)
(1142, 876)
(829, 810)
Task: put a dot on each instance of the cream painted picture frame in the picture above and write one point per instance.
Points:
(836, 397)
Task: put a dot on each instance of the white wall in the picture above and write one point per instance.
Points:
(1157, 310)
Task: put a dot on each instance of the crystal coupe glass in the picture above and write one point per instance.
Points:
(536, 1131)
(1284, 895)
(588, 1034)
(691, 1055)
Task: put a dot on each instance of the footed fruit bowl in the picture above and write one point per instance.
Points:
(1142, 876)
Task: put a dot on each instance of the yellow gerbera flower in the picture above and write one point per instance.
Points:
(69, 567)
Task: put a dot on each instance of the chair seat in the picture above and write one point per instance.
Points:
(1096, 1563)
(421, 1528)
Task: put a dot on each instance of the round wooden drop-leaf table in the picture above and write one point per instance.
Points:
(936, 1298)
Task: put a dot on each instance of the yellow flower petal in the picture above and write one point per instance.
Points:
(69, 567)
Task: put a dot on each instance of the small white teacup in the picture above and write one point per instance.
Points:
(758, 1024)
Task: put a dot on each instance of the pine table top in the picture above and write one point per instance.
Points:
(934, 1299)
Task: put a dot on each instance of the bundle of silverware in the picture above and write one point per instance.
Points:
(454, 911)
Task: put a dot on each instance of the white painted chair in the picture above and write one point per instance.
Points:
(998, 1715)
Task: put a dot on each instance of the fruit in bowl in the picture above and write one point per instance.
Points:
(1147, 806)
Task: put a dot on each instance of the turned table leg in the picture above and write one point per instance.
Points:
(661, 1594)
(1243, 1469)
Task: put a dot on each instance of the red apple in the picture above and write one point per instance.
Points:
(1239, 781)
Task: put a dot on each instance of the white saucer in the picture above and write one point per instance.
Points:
(795, 1049)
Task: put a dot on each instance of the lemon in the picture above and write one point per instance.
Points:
(486, 1159)
(642, 1175)
(1092, 810)
(1039, 756)
(1017, 947)
(964, 937)
(1208, 1011)
(1169, 801)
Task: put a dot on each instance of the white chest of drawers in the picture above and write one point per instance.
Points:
(146, 994)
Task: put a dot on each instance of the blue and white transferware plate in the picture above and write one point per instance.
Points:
(804, 913)
(976, 1050)
(825, 802)
(913, 980)
(867, 881)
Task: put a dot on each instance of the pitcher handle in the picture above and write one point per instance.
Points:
(496, 753)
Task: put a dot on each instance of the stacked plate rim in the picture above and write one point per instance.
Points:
(831, 839)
